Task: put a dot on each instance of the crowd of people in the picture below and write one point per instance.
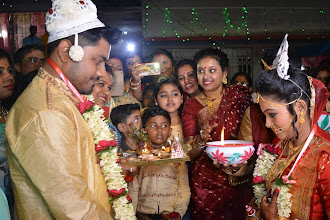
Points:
(50, 165)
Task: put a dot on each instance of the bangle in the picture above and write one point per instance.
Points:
(136, 88)
(201, 134)
(134, 84)
(198, 144)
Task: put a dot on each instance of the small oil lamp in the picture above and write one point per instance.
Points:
(229, 151)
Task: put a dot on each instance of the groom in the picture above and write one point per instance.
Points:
(51, 152)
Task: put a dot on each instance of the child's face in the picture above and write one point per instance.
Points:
(159, 130)
(148, 98)
(169, 98)
(135, 119)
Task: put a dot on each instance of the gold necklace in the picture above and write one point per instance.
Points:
(211, 102)
(293, 149)
(280, 164)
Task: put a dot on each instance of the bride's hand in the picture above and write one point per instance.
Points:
(269, 210)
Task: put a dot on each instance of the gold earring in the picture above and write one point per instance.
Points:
(224, 80)
(301, 118)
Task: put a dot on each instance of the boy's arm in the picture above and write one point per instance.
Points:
(182, 202)
(134, 188)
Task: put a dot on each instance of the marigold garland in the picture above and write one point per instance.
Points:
(264, 162)
(106, 149)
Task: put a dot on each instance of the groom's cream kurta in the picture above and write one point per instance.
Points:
(51, 156)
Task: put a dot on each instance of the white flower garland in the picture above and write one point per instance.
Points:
(108, 162)
(264, 162)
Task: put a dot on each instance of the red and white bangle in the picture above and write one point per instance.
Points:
(134, 86)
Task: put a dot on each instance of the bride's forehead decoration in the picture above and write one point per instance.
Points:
(281, 64)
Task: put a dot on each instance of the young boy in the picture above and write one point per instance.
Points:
(121, 117)
(162, 189)
(148, 96)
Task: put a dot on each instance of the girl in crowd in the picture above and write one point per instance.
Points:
(214, 193)
(168, 96)
(166, 60)
(7, 82)
(185, 73)
(292, 107)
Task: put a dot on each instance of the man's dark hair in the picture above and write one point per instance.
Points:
(122, 112)
(21, 53)
(294, 58)
(32, 27)
(269, 57)
(91, 37)
(153, 112)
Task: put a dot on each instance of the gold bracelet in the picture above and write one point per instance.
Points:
(198, 144)
(134, 84)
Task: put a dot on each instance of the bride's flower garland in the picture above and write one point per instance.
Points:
(106, 149)
(265, 161)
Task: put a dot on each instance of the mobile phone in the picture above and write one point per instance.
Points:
(117, 83)
(150, 69)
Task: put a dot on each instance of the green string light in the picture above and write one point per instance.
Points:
(196, 20)
(147, 14)
(167, 15)
(265, 20)
(244, 21)
(225, 13)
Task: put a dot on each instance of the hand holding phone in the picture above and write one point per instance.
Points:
(148, 69)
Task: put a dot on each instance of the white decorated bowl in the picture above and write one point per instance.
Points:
(233, 151)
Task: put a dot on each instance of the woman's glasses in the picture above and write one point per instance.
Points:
(241, 84)
(35, 60)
